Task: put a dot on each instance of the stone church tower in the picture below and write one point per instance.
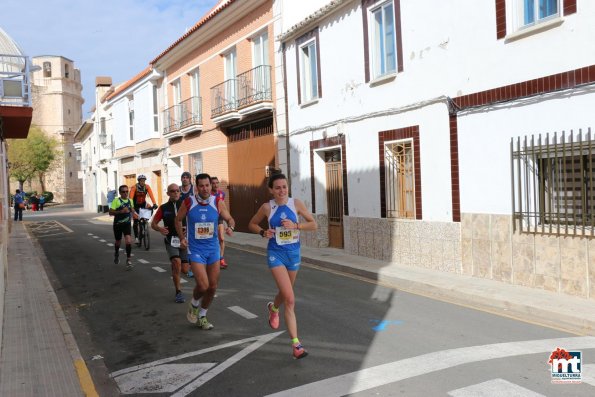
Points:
(57, 109)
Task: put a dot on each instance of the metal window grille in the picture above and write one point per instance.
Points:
(400, 179)
(553, 178)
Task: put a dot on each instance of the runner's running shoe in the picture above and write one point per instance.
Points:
(222, 264)
(190, 274)
(204, 323)
(273, 316)
(192, 314)
(299, 351)
(180, 298)
(129, 265)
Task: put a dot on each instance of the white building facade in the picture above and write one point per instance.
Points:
(400, 121)
(139, 147)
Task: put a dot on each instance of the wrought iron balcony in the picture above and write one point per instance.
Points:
(224, 97)
(183, 116)
(255, 86)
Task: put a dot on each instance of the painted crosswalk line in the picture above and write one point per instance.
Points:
(158, 269)
(396, 371)
(242, 312)
(143, 261)
(181, 379)
(494, 387)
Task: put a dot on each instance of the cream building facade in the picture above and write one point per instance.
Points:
(57, 101)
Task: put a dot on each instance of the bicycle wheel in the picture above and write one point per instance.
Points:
(141, 233)
(147, 237)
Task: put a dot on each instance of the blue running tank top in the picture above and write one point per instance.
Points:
(284, 239)
(201, 224)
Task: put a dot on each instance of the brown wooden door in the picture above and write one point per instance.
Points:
(158, 187)
(250, 150)
(130, 180)
(334, 199)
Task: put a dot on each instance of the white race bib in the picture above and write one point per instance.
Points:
(175, 241)
(204, 230)
(286, 236)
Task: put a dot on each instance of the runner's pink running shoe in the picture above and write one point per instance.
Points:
(273, 316)
(299, 351)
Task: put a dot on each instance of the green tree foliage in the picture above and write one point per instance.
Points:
(32, 157)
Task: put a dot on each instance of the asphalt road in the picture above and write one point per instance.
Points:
(363, 339)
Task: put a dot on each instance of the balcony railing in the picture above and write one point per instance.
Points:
(15, 86)
(190, 112)
(224, 97)
(254, 86)
(185, 114)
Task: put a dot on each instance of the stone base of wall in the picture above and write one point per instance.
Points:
(492, 249)
(433, 245)
(319, 238)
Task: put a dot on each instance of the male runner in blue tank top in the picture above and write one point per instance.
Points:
(283, 251)
(202, 213)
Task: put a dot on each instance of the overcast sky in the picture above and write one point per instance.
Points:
(116, 38)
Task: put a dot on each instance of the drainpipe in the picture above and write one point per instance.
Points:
(287, 147)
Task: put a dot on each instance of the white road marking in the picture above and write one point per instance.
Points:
(160, 270)
(495, 387)
(143, 261)
(160, 376)
(380, 375)
(89, 234)
(242, 312)
(110, 244)
(588, 372)
(182, 281)
(102, 240)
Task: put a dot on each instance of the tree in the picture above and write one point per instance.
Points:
(33, 156)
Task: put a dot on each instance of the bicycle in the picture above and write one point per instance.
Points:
(144, 236)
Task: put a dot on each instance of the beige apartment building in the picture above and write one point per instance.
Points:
(219, 93)
(56, 91)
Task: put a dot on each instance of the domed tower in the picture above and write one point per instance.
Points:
(58, 103)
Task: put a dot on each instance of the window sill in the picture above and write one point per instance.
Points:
(309, 103)
(387, 78)
(535, 29)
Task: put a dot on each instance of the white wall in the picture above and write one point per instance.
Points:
(484, 145)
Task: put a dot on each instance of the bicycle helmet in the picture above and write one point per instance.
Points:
(141, 176)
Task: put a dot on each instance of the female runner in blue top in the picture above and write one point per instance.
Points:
(283, 251)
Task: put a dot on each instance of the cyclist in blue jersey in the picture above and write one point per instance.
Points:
(283, 251)
(202, 212)
(123, 211)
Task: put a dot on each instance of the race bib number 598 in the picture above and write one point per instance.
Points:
(204, 230)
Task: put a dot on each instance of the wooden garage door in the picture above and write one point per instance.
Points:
(251, 150)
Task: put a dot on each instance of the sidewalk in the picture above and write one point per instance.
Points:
(39, 356)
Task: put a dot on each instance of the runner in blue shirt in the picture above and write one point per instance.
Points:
(202, 213)
(283, 251)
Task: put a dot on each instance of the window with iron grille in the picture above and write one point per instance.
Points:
(251, 130)
(196, 163)
(553, 183)
(400, 179)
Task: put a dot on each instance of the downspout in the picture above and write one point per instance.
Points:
(287, 147)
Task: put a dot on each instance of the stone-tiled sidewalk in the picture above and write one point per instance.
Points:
(39, 356)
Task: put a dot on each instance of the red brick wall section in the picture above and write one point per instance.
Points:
(500, 19)
(454, 168)
(541, 85)
(569, 7)
(392, 135)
